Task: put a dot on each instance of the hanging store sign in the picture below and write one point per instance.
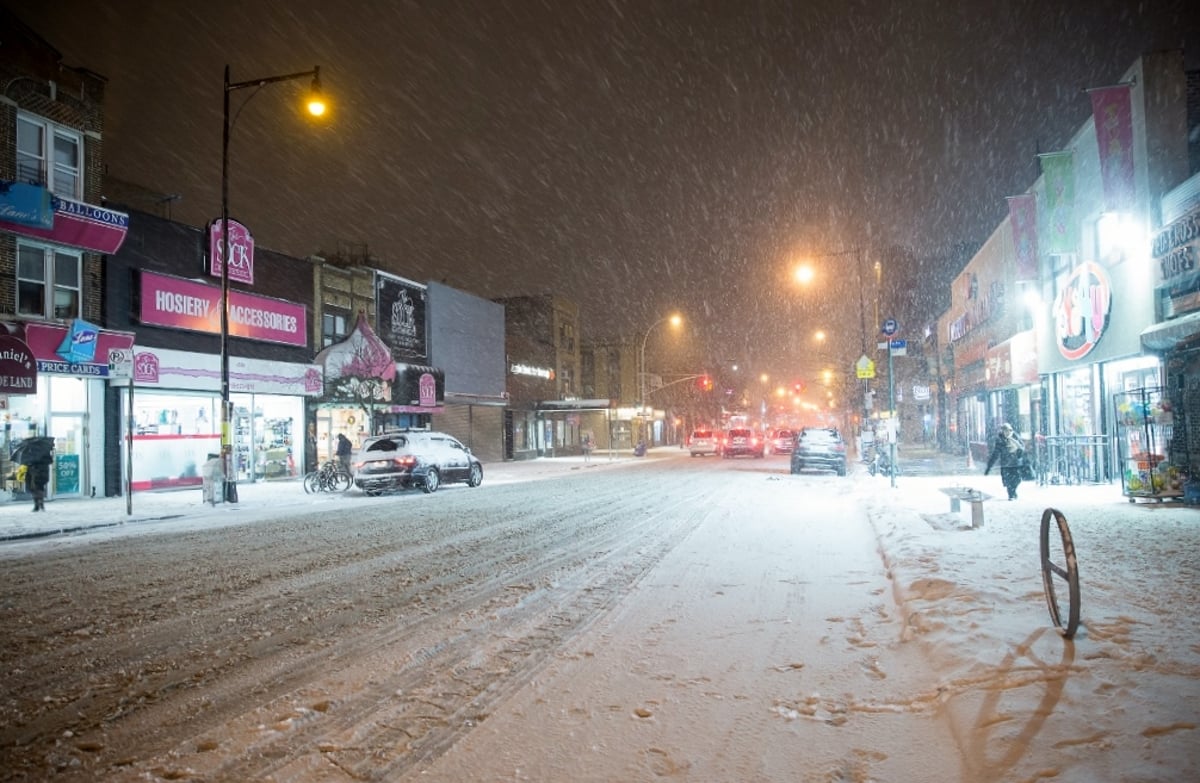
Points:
(28, 205)
(183, 304)
(1081, 310)
(241, 251)
(18, 368)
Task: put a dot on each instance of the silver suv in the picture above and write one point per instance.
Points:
(404, 459)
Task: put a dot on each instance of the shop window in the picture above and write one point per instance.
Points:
(334, 328)
(49, 154)
(48, 282)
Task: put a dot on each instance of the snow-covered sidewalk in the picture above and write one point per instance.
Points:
(256, 500)
(1119, 701)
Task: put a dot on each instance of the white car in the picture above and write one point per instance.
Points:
(702, 442)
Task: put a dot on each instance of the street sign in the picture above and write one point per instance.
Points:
(890, 327)
(864, 367)
(899, 347)
(120, 363)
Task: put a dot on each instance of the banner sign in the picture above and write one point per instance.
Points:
(1022, 216)
(400, 317)
(79, 225)
(1058, 172)
(1113, 116)
(183, 304)
(241, 250)
(171, 369)
(65, 349)
(18, 370)
(28, 205)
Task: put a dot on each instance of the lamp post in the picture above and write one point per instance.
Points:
(316, 107)
(675, 321)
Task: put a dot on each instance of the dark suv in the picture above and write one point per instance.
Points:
(742, 442)
(414, 458)
(819, 448)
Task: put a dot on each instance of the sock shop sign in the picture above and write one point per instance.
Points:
(1081, 310)
(183, 304)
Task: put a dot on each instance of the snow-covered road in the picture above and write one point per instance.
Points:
(706, 620)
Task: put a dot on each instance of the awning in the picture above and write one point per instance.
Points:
(77, 224)
(359, 369)
(1168, 335)
(574, 405)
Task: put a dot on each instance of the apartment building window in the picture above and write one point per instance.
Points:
(566, 336)
(49, 154)
(333, 327)
(48, 282)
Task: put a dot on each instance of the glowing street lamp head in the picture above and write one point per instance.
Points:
(316, 96)
(804, 274)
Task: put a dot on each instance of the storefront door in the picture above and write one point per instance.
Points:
(69, 475)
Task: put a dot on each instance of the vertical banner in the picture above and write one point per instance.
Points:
(1058, 171)
(1022, 215)
(1114, 136)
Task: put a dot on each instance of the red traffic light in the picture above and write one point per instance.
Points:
(704, 383)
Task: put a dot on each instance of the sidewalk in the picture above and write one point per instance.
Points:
(261, 499)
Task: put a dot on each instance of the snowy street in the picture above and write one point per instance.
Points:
(688, 619)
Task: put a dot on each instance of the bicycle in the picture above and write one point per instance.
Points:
(330, 477)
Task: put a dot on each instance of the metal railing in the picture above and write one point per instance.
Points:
(1072, 459)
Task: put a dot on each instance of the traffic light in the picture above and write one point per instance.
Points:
(799, 387)
(704, 383)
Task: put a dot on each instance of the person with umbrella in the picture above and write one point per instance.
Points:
(36, 454)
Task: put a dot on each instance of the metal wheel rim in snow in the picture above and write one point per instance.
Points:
(1069, 573)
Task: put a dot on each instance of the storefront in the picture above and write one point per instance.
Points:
(176, 421)
(68, 404)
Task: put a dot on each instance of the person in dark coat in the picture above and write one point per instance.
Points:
(343, 451)
(1008, 451)
(37, 475)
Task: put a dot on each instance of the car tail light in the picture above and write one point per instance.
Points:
(405, 462)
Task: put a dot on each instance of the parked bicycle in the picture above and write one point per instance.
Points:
(330, 477)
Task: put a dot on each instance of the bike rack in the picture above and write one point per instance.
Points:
(1068, 572)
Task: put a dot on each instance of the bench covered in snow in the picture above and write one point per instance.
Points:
(972, 496)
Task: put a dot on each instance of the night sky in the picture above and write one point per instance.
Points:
(637, 157)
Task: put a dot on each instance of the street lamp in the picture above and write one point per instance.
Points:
(675, 320)
(316, 107)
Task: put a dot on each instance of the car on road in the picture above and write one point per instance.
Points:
(782, 441)
(702, 442)
(819, 448)
(406, 459)
(742, 442)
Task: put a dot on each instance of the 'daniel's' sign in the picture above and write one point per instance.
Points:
(1081, 310)
(241, 251)
(18, 369)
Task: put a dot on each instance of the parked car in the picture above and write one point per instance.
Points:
(739, 442)
(782, 441)
(819, 448)
(702, 442)
(414, 458)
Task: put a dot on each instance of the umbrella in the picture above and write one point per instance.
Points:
(33, 451)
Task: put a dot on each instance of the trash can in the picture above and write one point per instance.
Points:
(213, 478)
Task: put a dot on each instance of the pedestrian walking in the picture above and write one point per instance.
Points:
(37, 455)
(588, 445)
(1008, 451)
(343, 451)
